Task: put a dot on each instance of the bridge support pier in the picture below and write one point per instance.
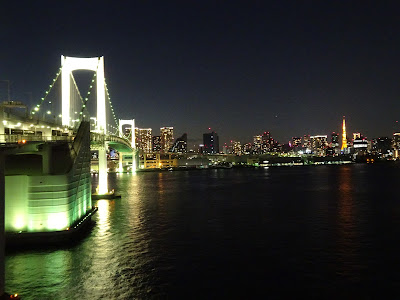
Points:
(2, 239)
(120, 167)
(103, 182)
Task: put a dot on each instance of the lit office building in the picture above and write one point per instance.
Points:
(143, 139)
(266, 141)
(247, 148)
(356, 135)
(211, 143)
(156, 143)
(296, 142)
(257, 144)
(319, 144)
(167, 138)
(360, 145)
(335, 140)
(307, 142)
(396, 144)
(236, 148)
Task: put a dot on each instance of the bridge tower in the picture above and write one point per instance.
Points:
(95, 64)
(133, 141)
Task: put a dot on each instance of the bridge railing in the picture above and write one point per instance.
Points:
(18, 138)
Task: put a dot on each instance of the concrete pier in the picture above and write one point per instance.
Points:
(2, 240)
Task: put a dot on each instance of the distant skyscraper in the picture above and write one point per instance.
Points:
(167, 138)
(211, 142)
(143, 139)
(306, 142)
(156, 143)
(180, 144)
(344, 137)
(335, 139)
(247, 148)
(319, 143)
(296, 142)
(257, 144)
(356, 135)
(396, 144)
(266, 141)
(236, 148)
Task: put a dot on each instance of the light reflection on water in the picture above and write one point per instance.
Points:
(224, 233)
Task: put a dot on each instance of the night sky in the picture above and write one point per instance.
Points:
(239, 67)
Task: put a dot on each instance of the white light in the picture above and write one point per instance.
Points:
(18, 124)
(36, 108)
(48, 112)
(5, 122)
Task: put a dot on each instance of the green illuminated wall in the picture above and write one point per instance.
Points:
(47, 202)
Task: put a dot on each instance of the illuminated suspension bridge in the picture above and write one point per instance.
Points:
(47, 150)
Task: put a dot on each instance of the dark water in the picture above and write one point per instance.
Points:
(322, 231)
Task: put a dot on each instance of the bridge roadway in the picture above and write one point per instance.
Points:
(22, 129)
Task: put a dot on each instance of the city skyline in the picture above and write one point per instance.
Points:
(239, 68)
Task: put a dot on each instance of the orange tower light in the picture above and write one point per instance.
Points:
(344, 138)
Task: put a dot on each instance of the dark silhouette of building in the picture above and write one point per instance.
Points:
(180, 145)
(211, 143)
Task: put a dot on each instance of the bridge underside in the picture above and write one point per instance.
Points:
(120, 147)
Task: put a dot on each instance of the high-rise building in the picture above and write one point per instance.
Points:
(344, 137)
(296, 142)
(356, 135)
(211, 142)
(266, 142)
(257, 144)
(167, 138)
(236, 148)
(143, 139)
(156, 143)
(383, 146)
(396, 144)
(334, 140)
(180, 144)
(247, 148)
(307, 142)
(318, 144)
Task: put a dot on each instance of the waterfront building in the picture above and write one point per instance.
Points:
(156, 143)
(143, 140)
(307, 143)
(383, 146)
(180, 144)
(319, 144)
(247, 148)
(167, 138)
(396, 144)
(211, 143)
(360, 145)
(236, 148)
(296, 142)
(266, 141)
(257, 144)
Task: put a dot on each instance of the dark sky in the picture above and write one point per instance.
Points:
(239, 67)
